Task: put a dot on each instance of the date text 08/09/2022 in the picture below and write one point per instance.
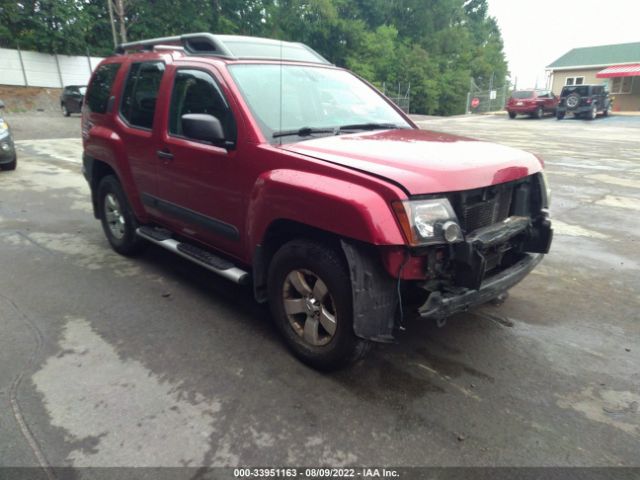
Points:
(315, 473)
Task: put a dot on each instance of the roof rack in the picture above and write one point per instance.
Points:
(191, 42)
(233, 47)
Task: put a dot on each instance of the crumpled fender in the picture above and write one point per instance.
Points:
(346, 209)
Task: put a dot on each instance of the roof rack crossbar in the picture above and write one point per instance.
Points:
(192, 42)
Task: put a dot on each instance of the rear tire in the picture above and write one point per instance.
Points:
(560, 115)
(309, 291)
(65, 110)
(539, 113)
(593, 113)
(512, 115)
(118, 221)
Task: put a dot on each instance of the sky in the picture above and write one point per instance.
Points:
(537, 32)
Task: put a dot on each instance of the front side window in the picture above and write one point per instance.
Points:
(140, 93)
(195, 91)
(291, 97)
(100, 89)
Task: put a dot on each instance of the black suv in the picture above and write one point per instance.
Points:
(584, 100)
(71, 99)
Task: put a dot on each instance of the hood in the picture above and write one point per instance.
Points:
(423, 161)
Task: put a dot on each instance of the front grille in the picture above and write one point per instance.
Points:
(483, 207)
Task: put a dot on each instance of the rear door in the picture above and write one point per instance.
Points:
(198, 190)
(136, 121)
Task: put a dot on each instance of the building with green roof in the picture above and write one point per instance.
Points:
(617, 66)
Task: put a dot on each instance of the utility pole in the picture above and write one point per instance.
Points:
(121, 20)
(113, 25)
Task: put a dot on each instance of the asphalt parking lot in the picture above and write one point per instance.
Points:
(109, 361)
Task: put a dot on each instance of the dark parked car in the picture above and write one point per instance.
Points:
(584, 101)
(532, 102)
(8, 156)
(328, 199)
(71, 99)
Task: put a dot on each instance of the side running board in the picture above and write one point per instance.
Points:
(197, 255)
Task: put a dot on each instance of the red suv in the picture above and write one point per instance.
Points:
(532, 102)
(264, 163)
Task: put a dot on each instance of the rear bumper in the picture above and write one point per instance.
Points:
(579, 109)
(523, 109)
(440, 305)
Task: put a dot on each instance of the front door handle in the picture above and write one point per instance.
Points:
(165, 154)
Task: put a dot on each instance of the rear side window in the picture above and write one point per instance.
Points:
(195, 91)
(141, 93)
(522, 94)
(581, 90)
(100, 89)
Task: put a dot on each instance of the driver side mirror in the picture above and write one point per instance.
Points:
(201, 126)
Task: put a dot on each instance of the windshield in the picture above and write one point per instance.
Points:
(522, 94)
(314, 98)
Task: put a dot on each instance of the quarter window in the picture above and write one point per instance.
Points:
(141, 92)
(100, 89)
(195, 91)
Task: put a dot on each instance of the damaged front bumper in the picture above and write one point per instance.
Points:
(440, 305)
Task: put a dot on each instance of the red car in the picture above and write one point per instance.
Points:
(264, 163)
(534, 103)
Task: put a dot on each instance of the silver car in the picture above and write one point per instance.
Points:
(8, 156)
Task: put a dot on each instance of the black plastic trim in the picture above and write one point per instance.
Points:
(212, 224)
(439, 305)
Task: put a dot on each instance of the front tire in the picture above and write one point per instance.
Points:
(309, 291)
(118, 221)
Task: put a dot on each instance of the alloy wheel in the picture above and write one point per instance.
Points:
(114, 217)
(309, 307)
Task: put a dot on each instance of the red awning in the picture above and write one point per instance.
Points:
(620, 71)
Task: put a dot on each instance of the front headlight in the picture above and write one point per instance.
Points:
(427, 222)
(3, 127)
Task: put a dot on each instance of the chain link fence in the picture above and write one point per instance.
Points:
(400, 94)
(483, 101)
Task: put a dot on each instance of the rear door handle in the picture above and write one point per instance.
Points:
(165, 154)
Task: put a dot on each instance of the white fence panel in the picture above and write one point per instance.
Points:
(95, 61)
(74, 70)
(42, 69)
(10, 68)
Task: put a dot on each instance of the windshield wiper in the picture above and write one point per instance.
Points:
(304, 132)
(370, 126)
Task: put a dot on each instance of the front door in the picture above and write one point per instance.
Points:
(197, 188)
